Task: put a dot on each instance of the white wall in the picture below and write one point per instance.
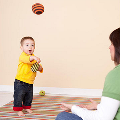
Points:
(72, 40)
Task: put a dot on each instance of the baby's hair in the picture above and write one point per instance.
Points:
(25, 38)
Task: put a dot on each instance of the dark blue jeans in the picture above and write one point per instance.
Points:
(67, 116)
(23, 95)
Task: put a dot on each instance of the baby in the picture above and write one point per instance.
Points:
(23, 85)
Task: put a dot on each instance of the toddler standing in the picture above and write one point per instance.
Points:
(23, 85)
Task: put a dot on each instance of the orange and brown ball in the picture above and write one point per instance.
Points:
(38, 8)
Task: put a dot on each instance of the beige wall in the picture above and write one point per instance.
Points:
(72, 40)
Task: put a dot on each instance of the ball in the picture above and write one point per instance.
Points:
(35, 67)
(42, 93)
(38, 8)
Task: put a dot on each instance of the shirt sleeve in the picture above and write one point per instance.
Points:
(106, 110)
(112, 84)
(26, 59)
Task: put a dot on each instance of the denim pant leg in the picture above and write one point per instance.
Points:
(67, 116)
(28, 96)
(19, 94)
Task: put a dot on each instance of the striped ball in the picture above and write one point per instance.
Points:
(35, 67)
(38, 8)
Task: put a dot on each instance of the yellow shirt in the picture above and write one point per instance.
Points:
(24, 72)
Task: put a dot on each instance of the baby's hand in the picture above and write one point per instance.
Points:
(35, 58)
(40, 68)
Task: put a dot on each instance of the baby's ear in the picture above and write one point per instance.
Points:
(21, 48)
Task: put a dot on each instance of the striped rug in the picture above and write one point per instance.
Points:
(44, 107)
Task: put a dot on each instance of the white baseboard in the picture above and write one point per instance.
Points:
(60, 91)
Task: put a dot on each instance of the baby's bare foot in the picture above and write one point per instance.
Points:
(29, 110)
(20, 113)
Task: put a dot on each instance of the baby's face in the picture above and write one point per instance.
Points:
(28, 46)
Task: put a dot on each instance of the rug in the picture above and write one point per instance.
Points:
(44, 107)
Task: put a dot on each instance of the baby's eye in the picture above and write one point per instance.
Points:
(32, 45)
(26, 45)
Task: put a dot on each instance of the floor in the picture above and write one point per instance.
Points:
(5, 97)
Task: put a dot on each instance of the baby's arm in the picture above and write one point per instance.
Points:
(35, 58)
(29, 59)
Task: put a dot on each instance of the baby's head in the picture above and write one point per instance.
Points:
(27, 45)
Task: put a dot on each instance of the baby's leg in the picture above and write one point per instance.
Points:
(28, 98)
(19, 94)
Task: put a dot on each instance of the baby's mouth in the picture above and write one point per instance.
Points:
(30, 50)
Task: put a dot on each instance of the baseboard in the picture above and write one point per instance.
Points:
(60, 91)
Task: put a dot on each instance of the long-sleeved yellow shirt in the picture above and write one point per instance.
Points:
(24, 72)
